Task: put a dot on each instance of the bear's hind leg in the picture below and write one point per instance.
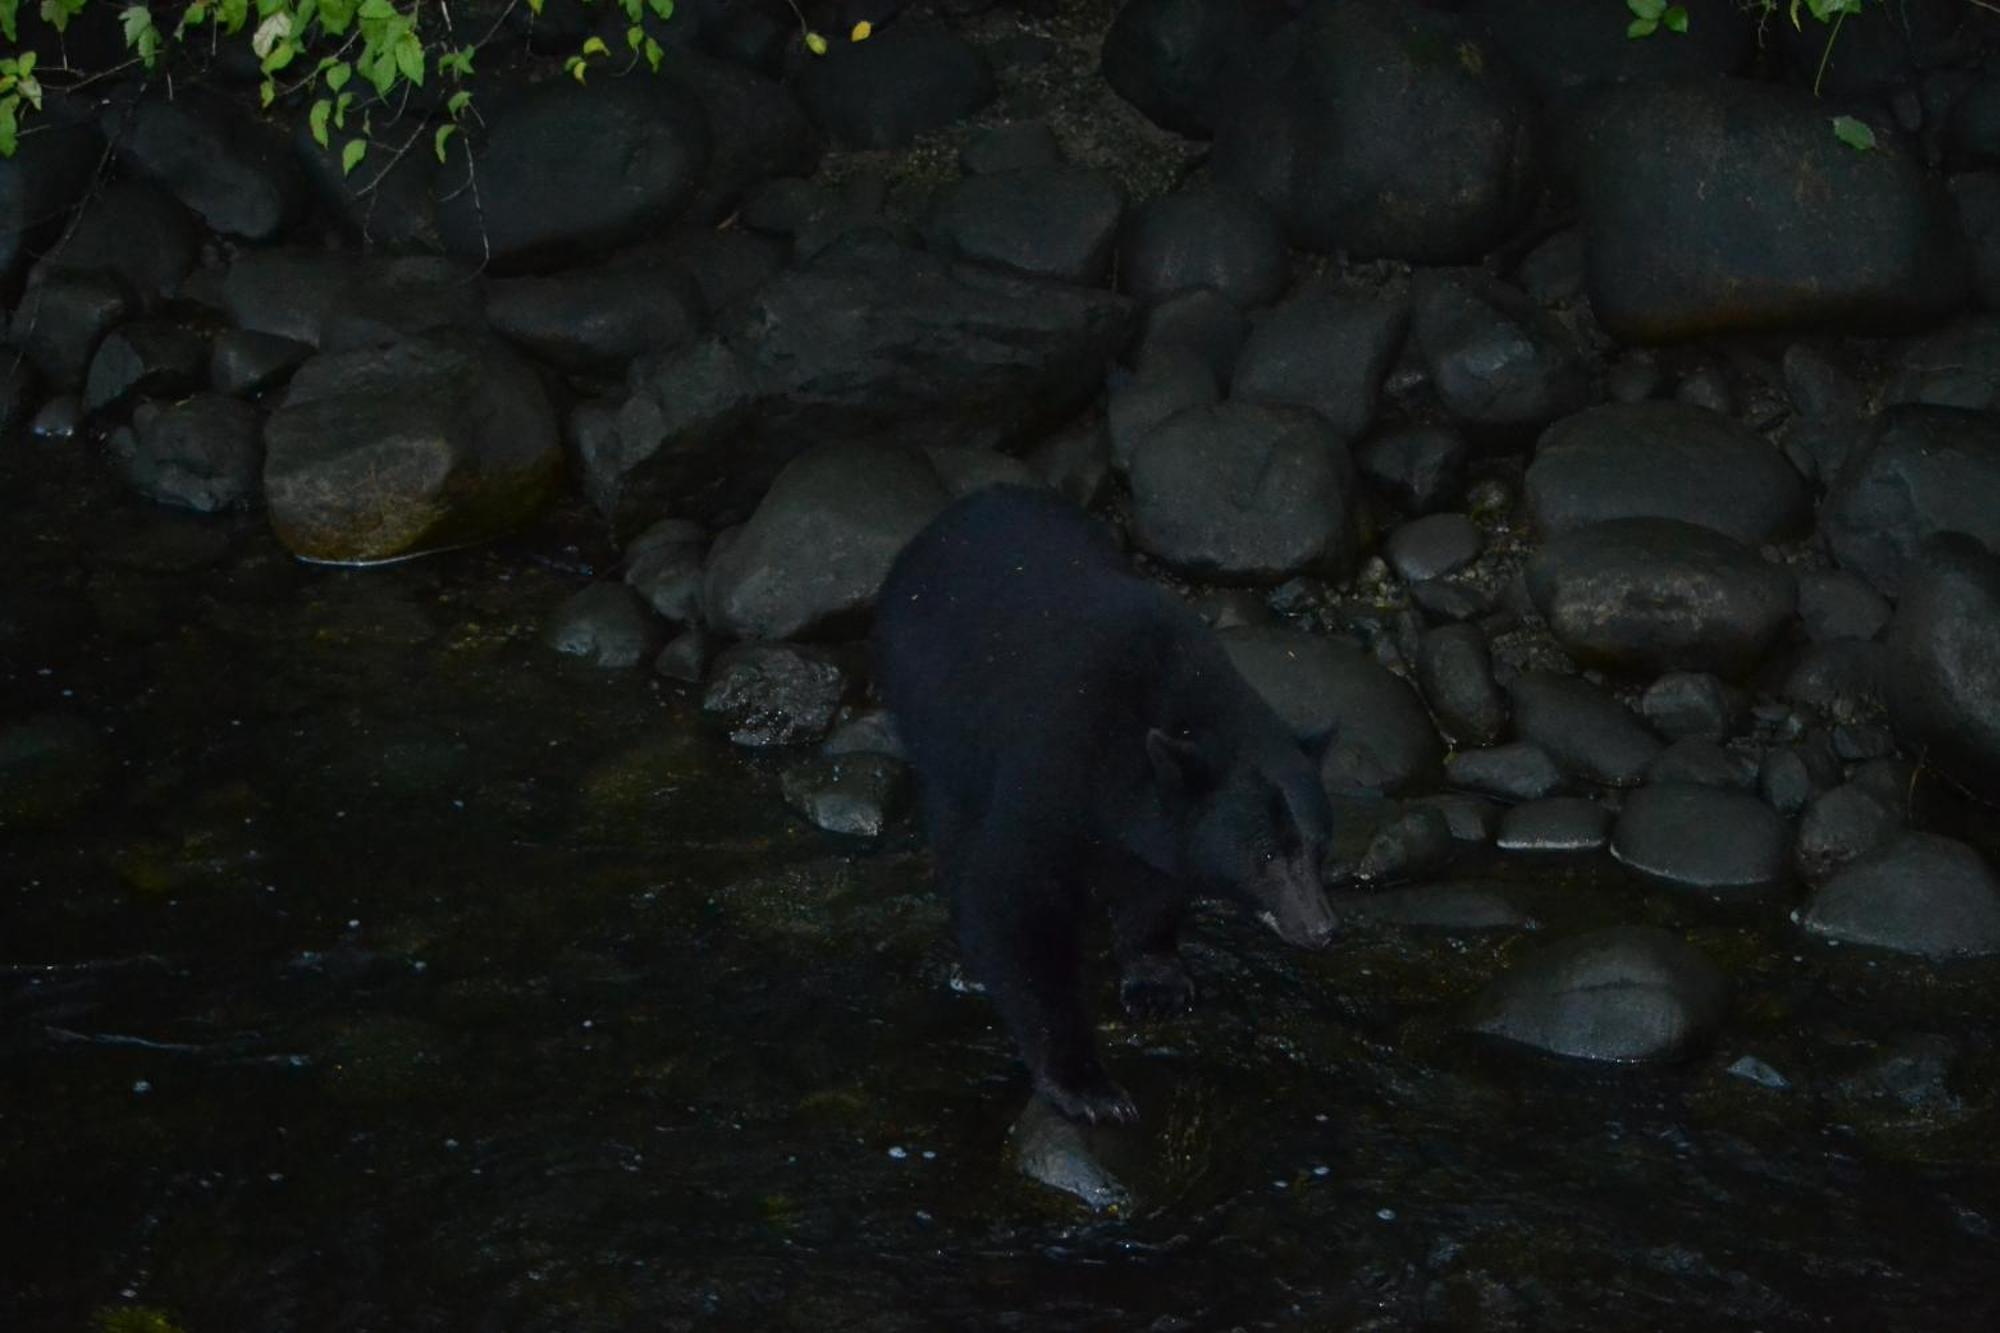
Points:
(1020, 928)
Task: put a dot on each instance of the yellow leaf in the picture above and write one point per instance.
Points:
(862, 31)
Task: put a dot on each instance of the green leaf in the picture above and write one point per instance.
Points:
(379, 68)
(316, 118)
(134, 19)
(281, 55)
(410, 58)
(336, 16)
(633, 8)
(575, 66)
(9, 18)
(535, 6)
(1647, 9)
(663, 8)
(10, 131)
(457, 102)
(267, 92)
(444, 132)
(595, 47)
(1676, 18)
(635, 36)
(234, 14)
(1854, 133)
(377, 9)
(340, 105)
(192, 17)
(1641, 28)
(350, 156)
(654, 54)
(337, 75)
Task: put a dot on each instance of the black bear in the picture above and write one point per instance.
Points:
(1073, 727)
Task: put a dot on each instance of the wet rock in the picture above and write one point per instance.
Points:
(1199, 321)
(685, 658)
(388, 203)
(1166, 384)
(287, 292)
(1920, 894)
(607, 625)
(1648, 595)
(1591, 735)
(1415, 844)
(1383, 739)
(1555, 824)
(1942, 672)
(48, 173)
(871, 731)
(1958, 366)
(1710, 840)
(1753, 1070)
(1914, 1072)
(1243, 491)
(226, 166)
(57, 419)
(146, 357)
(1417, 468)
(885, 91)
(1787, 779)
(727, 265)
(1565, 60)
(863, 342)
(1053, 222)
(51, 767)
(1455, 671)
(61, 319)
(1840, 827)
(1322, 350)
(1325, 132)
(1818, 386)
(1518, 771)
(1432, 547)
(853, 795)
(1624, 994)
(1702, 762)
(597, 319)
(1453, 907)
(396, 296)
(1663, 460)
(1022, 146)
(203, 453)
(1840, 680)
(756, 128)
(1168, 57)
(1693, 703)
(136, 231)
(1753, 245)
(775, 693)
(1473, 820)
(1927, 470)
(1836, 605)
(1203, 238)
(1451, 603)
(1076, 462)
(567, 169)
(1055, 1151)
(1495, 359)
(417, 446)
(962, 470)
(243, 362)
(813, 556)
(1552, 272)
(663, 566)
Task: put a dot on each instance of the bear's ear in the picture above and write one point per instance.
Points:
(1179, 766)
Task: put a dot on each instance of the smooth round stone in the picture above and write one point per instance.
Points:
(1663, 460)
(852, 795)
(1555, 824)
(1199, 238)
(1654, 594)
(1416, 468)
(1840, 679)
(1414, 845)
(1834, 604)
(1709, 839)
(1472, 819)
(1622, 995)
(1681, 704)
(1432, 547)
(1199, 320)
(1922, 894)
(1840, 827)
(1942, 675)
(1704, 763)
(1520, 771)
(607, 625)
(1590, 734)
(1455, 670)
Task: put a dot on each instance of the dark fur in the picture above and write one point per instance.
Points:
(1075, 728)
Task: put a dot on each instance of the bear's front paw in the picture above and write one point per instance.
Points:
(1095, 1099)
(1156, 986)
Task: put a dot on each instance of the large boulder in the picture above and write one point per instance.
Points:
(1942, 673)
(884, 92)
(420, 445)
(1565, 53)
(1169, 57)
(1923, 471)
(1623, 995)
(813, 556)
(48, 172)
(231, 169)
(1727, 206)
(1706, 839)
(1322, 349)
(1381, 130)
(1495, 358)
(1648, 595)
(1047, 222)
(1663, 460)
(564, 170)
(867, 341)
(1920, 894)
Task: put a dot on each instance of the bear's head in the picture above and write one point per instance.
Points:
(1253, 824)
